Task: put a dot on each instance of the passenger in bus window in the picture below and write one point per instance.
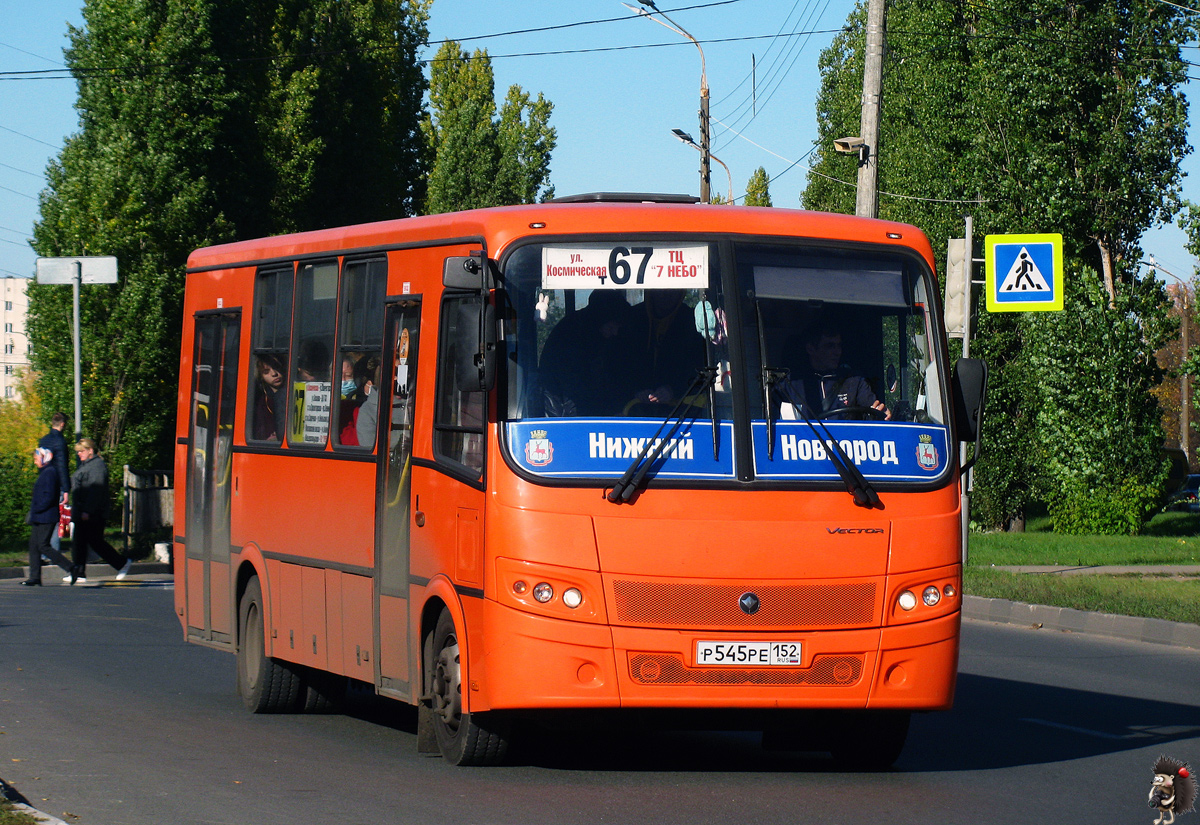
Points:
(270, 399)
(666, 349)
(827, 386)
(313, 364)
(583, 368)
(366, 417)
(355, 392)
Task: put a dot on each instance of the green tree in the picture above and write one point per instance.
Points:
(475, 158)
(758, 192)
(1036, 118)
(201, 122)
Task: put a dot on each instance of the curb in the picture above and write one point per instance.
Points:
(1155, 631)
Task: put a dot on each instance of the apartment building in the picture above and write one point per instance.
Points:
(14, 360)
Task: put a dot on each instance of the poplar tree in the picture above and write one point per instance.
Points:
(202, 122)
(758, 189)
(475, 157)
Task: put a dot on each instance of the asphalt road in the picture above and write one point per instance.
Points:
(107, 717)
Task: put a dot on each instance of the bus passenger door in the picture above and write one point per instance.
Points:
(393, 509)
(210, 477)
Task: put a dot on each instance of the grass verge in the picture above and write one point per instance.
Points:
(1146, 596)
(11, 816)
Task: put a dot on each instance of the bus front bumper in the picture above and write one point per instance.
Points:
(537, 662)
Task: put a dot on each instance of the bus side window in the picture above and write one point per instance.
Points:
(271, 345)
(312, 369)
(360, 346)
(460, 415)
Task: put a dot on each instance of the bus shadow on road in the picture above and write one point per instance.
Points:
(1028, 724)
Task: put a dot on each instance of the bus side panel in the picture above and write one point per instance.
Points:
(356, 600)
(309, 508)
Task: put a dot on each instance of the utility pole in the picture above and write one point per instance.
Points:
(866, 202)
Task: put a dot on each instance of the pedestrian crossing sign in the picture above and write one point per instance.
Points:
(1024, 273)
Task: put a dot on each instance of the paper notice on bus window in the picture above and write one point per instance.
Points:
(312, 401)
(632, 266)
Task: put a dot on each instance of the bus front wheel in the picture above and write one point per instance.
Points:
(462, 738)
(265, 684)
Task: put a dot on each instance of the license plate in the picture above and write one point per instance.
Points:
(761, 654)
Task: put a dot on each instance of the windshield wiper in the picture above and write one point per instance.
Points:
(856, 483)
(629, 482)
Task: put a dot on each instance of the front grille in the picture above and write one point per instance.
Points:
(669, 669)
(659, 604)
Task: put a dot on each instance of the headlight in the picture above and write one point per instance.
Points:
(907, 600)
(543, 592)
(931, 596)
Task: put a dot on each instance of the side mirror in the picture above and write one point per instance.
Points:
(475, 344)
(969, 389)
(468, 272)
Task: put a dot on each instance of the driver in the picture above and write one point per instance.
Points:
(827, 386)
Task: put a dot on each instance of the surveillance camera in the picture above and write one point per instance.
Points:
(848, 145)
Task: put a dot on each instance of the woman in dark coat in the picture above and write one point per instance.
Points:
(89, 508)
(43, 517)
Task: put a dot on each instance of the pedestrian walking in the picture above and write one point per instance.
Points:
(89, 509)
(56, 443)
(43, 518)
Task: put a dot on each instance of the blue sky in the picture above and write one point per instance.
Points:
(614, 106)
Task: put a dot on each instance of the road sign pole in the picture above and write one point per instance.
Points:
(78, 279)
(968, 274)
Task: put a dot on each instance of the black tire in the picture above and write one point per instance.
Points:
(266, 685)
(869, 740)
(466, 739)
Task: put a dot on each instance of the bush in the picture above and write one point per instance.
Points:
(1077, 510)
(17, 475)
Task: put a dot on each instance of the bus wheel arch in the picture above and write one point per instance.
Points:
(444, 724)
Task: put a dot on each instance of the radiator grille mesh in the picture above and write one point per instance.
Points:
(669, 669)
(672, 604)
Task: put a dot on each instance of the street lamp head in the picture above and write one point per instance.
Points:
(684, 136)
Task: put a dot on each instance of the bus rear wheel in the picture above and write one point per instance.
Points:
(462, 738)
(266, 685)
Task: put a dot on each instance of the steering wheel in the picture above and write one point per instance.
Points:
(857, 413)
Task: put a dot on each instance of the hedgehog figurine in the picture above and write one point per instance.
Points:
(1173, 790)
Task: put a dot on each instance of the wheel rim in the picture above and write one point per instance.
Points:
(447, 685)
(253, 645)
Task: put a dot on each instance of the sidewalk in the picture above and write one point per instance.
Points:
(52, 574)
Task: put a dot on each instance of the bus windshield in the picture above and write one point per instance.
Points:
(605, 340)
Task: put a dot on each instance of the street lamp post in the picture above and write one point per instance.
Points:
(686, 138)
(1184, 425)
(705, 154)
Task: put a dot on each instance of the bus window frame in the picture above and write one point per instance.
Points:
(336, 425)
(292, 378)
(446, 375)
(274, 268)
(726, 244)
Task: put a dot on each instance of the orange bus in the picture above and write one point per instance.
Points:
(610, 457)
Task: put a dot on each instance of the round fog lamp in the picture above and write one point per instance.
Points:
(543, 592)
(520, 588)
(572, 598)
(931, 596)
(907, 600)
